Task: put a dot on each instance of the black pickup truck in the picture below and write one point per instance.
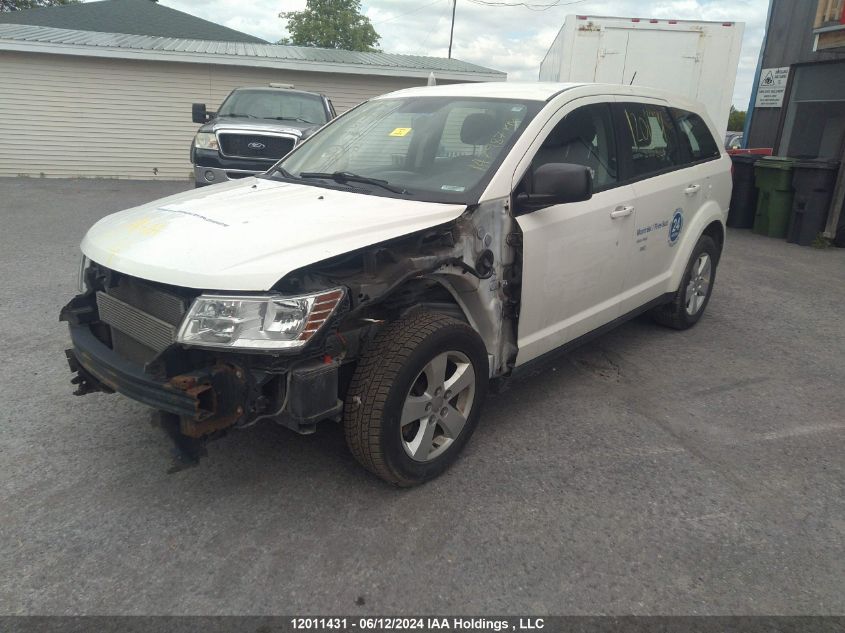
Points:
(253, 129)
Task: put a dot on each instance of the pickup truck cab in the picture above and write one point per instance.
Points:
(253, 128)
(416, 248)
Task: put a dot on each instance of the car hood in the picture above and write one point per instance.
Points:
(294, 128)
(248, 234)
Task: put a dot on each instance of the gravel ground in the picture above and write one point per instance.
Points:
(649, 472)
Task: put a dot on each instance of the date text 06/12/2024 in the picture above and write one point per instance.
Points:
(416, 624)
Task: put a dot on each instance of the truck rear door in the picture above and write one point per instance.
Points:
(669, 60)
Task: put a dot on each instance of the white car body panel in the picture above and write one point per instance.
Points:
(524, 90)
(575, 259)
(581, 268)
(247, 234)
(656, 266)
(575, 256)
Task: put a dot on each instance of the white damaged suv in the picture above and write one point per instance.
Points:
(387, 269)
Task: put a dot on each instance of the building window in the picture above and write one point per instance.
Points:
(814, 126)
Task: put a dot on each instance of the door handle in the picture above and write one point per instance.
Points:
(692, 189)
(621, 212)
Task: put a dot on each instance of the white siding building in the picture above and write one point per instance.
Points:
(90, 104)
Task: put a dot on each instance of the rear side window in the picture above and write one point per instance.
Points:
(648, 136)
(695, 135)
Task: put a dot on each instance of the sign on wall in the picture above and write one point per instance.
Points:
(772, 87)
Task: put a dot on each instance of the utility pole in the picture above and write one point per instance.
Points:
(452, 32)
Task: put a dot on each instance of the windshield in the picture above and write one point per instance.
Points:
(274, 104)
(438, 149)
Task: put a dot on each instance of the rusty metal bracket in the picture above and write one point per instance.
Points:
(220, 395)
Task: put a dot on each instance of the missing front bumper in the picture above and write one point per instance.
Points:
(98, 368)
(211, 398)
(206, 400)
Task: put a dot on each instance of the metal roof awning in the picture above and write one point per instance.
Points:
(38, 39)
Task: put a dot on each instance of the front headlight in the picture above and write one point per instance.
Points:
(206, 140)
(263, 322)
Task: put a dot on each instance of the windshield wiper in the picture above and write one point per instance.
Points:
(240, 114)
(344, 177)
(291, 118)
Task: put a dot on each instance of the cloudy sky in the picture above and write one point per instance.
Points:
(512, 39)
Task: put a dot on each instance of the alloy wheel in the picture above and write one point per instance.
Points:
(699, 284)
(437, 406)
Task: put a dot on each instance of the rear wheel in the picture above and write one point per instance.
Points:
(691, 299)
(415, 398)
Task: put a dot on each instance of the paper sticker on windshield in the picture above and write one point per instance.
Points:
(452, 188)
(401, 131)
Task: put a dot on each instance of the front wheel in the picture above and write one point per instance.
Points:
(415, 398)
(691, 299)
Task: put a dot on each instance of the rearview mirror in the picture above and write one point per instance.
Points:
(198, 113)
(557, 183)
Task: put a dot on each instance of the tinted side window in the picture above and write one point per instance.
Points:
(583, 137)
(648, 133)
(695, 135)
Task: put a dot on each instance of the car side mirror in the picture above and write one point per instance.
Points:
(199, 114)
(557, 183)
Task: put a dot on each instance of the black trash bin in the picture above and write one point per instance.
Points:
(744, 196)
(813, 181)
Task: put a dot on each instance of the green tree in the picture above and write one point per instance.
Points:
(6, 6)
(736, 120)
(331, 24)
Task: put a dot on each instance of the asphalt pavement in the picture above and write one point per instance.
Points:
(649, 472)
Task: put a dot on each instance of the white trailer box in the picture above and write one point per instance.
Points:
(694, 59)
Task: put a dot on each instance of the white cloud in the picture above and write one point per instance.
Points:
(512, 39)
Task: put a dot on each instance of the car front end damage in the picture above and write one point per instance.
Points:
(124, 334)
(210, 362)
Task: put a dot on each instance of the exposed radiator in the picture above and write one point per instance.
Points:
(155, 302)
(145, 328)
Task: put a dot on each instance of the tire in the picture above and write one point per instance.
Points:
(693, 294)
(392, 386)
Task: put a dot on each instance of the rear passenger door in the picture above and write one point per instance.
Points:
(652, 160)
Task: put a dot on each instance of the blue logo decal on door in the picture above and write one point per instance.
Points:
(675, 226)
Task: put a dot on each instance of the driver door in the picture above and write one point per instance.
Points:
(574, 255)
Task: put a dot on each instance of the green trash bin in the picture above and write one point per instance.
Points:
(773, 177)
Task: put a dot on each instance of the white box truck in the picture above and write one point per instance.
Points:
(691, 58)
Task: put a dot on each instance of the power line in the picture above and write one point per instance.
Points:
(532, 6)
(423, 50)
(396, 17)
